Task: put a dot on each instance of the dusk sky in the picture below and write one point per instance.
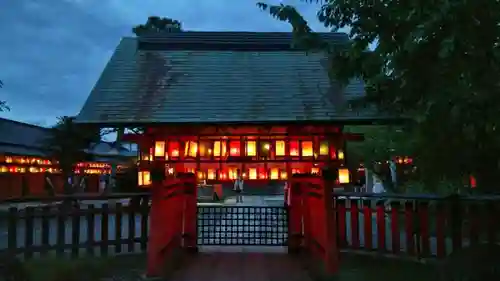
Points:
(53, 51)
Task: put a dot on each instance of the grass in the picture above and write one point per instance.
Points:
(92, 268)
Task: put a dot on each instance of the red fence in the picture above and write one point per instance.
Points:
(420, 226)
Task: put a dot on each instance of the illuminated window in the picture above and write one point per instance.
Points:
(211, 174)
(173, 149)
(340, 155)
(219, 148)
(307, 148)
(252, 173)
(323, 148)
(274, 173)
(343, 175)
(191, 149)
(234, 148)
(232, 174)
(200, 175)
(159, 149)
(251, 148)
(315, 170)
(283, 175)
(280, 148)
(222, 175)
(144, 178)
(294, 148)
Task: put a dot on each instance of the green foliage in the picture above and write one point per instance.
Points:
(156, 24)
(3, 104)
(431, 66)
(67, 143)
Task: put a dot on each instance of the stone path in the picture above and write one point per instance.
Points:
(227, 266)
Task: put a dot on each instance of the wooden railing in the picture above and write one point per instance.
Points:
(421, 226)
(32, 227)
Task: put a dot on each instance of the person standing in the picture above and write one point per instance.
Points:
(48, 185)
(238, 186)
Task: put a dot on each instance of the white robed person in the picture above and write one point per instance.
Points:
(238, 186)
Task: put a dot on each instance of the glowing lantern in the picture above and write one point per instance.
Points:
(252, 173)
(307, 148)
(280, 148)
(3, 169)
(251, 148)
(144, 178)
(275, 173)
(340, 155)
(222, 175)
(211, 174)
(295, 171)
(159, 149)
(262, 175)
(294, 148)
(234, 148)
(343, 175)
(283, 175)
(323, 148)
(200, 175)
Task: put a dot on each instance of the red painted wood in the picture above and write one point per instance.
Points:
(380, 210)
(354, 223)
(190, 211)
(165, 222)
(331, 247)
(367, 215)
(341, 222)
(423, 213)
(395, 233)
(295, 213)
(410, 246)
(440, 230)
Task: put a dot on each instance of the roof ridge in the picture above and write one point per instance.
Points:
(23, 123)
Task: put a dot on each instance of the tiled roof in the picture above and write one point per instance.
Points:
(187, 77)
(21, 138)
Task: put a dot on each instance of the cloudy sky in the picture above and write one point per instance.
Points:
(53, 51)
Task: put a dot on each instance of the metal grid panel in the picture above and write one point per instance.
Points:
(222, 225)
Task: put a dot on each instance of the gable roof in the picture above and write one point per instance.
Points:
(22, 138)
(216, 77)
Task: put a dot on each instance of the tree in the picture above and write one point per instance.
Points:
(156, 24)
(431, 66)
(3, 104)
(67, 143)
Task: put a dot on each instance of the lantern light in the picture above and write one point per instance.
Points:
(343, 175)
(267, 146)
(340, 155)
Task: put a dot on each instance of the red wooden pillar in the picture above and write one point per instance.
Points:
(295, 214)
(331, 248)
(188, 181)
(165, 222)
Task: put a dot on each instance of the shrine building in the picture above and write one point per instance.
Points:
(211, 103)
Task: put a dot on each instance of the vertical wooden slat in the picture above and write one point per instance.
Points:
(75, 231)
(423, 213)
(91, 228)
(491, 212)
(440, 230)
(380, 209)
(12, 232)
(144, 223)
(367, 215)
(395, 233)
(341, 222)
(131, 228)
(46, 214)
(61, 229)
(474, 226)
(118, 227)
(410, 246)
(354, 223)
(456, 213)
(104, 229)
(29, 232)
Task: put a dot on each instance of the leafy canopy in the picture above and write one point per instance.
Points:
(436, 63)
